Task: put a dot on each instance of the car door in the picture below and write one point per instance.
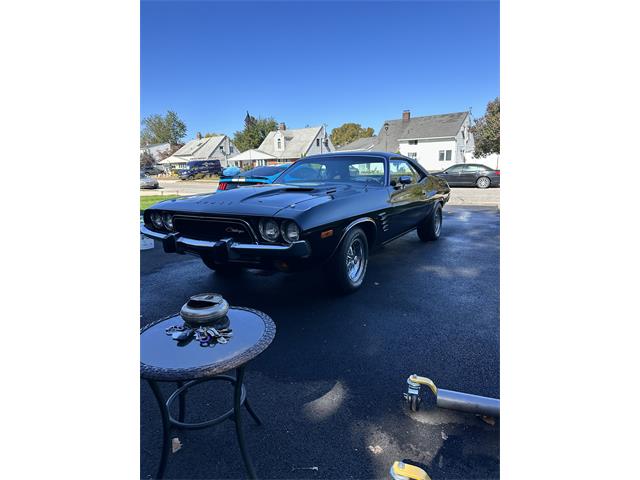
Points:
(407, 202)
(469, 175)
(452, 175)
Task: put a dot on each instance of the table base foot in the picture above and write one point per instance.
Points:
(168, 422)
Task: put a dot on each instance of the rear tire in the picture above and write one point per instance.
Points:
(224, 269)
(431, 227)
(483, 182)
(348, 266)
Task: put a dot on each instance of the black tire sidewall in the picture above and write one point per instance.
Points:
(427, 229)
(338, 264)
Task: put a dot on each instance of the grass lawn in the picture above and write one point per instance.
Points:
(147, 201)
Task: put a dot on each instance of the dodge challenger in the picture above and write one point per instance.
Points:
(326, 210)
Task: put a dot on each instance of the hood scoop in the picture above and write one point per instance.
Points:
(299, 189)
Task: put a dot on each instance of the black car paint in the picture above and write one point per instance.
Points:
(384, 212)
(469, 179)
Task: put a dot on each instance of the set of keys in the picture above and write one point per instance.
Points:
(206, 336)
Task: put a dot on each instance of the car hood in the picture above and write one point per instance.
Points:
(261, 199)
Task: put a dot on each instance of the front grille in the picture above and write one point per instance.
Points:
(205, 228)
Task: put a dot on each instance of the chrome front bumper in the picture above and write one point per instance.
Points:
(227, 249)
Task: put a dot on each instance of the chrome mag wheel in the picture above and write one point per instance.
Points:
(437, 222)
(483, 182)
(355, 260)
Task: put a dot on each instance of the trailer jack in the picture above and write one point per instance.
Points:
(463, 402)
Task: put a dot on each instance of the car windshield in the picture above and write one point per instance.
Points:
(331, 169)
(263, 171)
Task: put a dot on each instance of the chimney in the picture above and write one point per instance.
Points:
(198, 136)
(282, 126)
(406, 116)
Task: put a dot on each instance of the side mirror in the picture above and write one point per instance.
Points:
(405, 180)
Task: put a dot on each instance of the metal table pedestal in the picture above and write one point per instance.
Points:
(188, 364)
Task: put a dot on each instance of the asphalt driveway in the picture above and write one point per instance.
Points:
(329, 388)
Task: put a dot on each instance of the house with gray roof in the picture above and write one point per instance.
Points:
(365, 144)
(289, 145)
(435, 141)
(219, 147)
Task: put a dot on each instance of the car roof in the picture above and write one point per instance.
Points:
(386, 155)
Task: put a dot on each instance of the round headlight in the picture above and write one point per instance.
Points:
(269, 230)
(290, 232)
(167, 220)
(156, 219)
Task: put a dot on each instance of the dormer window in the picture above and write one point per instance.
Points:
(317, 142)
(279, 144)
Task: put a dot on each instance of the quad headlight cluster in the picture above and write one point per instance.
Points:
(162, 220)
(272, 231)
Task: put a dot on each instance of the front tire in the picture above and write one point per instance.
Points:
(224, 269)
(483, 182)
(429, 229)
(347, 269)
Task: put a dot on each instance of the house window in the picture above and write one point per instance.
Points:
(230, 148)
(444, 155)
(279, 144)
(412, 155)
(317, 142)
(413, 142)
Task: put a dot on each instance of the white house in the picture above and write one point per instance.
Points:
(435, 141)
(252, 158)
(219, 147)
(291, 145)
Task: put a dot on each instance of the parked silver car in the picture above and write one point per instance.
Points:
(148, 182)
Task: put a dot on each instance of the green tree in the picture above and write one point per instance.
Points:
(146, 159)
(160, 129)
(349, 132)
(211, 134)
(486, 130)
(254, 132)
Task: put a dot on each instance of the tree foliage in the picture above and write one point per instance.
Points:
(349, 132)
(486, 130)
(254, 132)
(168, 152)
(160, 129)
(146, 159)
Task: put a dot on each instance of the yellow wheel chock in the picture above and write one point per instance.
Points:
(406, 471)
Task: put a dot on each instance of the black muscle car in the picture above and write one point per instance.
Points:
(325, 210)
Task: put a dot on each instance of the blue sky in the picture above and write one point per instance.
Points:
(308, 63)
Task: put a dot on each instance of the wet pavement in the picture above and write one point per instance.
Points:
(329, 388)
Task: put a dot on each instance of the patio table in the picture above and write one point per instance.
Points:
(164, 360)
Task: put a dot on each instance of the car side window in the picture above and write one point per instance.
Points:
(471, 168)
(456, 169)
(399, 168)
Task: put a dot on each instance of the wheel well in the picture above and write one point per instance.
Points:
(369, 229)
